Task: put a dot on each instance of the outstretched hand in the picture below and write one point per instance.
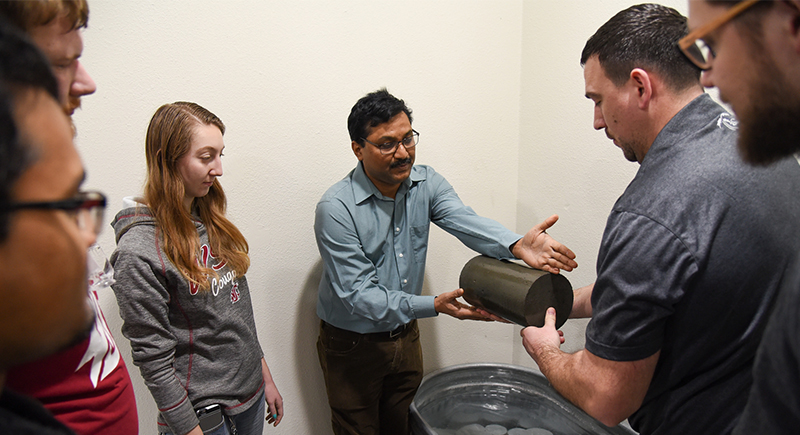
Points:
(541, 251)
(449, 304)
(537, 339)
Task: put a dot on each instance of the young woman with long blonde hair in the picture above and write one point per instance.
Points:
(180, 283)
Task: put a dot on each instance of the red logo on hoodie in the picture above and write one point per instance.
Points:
(205, 255)
(235, 293)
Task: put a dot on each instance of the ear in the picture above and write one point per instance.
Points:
(357, 150)
(643, 84)
(792, 7)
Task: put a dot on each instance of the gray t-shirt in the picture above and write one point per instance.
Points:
(690, 264)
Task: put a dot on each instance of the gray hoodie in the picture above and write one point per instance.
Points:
(193, 348)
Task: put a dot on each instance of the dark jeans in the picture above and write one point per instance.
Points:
(250, 422)
(371, 379)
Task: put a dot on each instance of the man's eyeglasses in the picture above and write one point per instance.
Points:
(88, 209)
(699, 52)
(387, 148)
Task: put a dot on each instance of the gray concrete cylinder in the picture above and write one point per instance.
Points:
(514, 292)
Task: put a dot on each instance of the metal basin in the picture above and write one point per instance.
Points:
(497, 394)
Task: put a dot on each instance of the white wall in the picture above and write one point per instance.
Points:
(497, 94)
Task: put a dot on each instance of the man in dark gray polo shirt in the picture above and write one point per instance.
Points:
(693, 251)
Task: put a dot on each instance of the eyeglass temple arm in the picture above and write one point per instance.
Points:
(694, 35)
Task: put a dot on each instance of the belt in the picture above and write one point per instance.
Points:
(375, 336)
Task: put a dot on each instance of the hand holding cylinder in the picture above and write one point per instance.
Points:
(544, 339)
(449, 304)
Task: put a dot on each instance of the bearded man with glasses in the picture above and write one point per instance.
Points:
(372, 233)
(755, 62)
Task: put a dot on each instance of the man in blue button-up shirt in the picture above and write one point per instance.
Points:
(372, 233)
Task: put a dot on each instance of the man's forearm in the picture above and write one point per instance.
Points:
(573, 377)
(560, 369)
(582, 302)
(607, 390)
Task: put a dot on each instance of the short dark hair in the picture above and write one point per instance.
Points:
(22, 67)
(643, 36)
(372, 110)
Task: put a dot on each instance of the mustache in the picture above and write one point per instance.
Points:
(71, 105)
(404, 161)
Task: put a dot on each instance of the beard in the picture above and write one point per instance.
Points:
(629, 155)
(627, 148)
(769, 123)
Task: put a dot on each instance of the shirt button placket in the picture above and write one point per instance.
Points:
(400, 255)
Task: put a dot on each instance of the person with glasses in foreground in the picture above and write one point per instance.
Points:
(180, 269)
(46, 226)
(372, 233)
(87, 387)
(753, 56)
(693, 251)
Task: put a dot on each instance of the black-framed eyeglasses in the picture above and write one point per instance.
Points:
(87, 207)
(693, 46)
(386, 148)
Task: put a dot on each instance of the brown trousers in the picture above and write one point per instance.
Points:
(371, 378)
